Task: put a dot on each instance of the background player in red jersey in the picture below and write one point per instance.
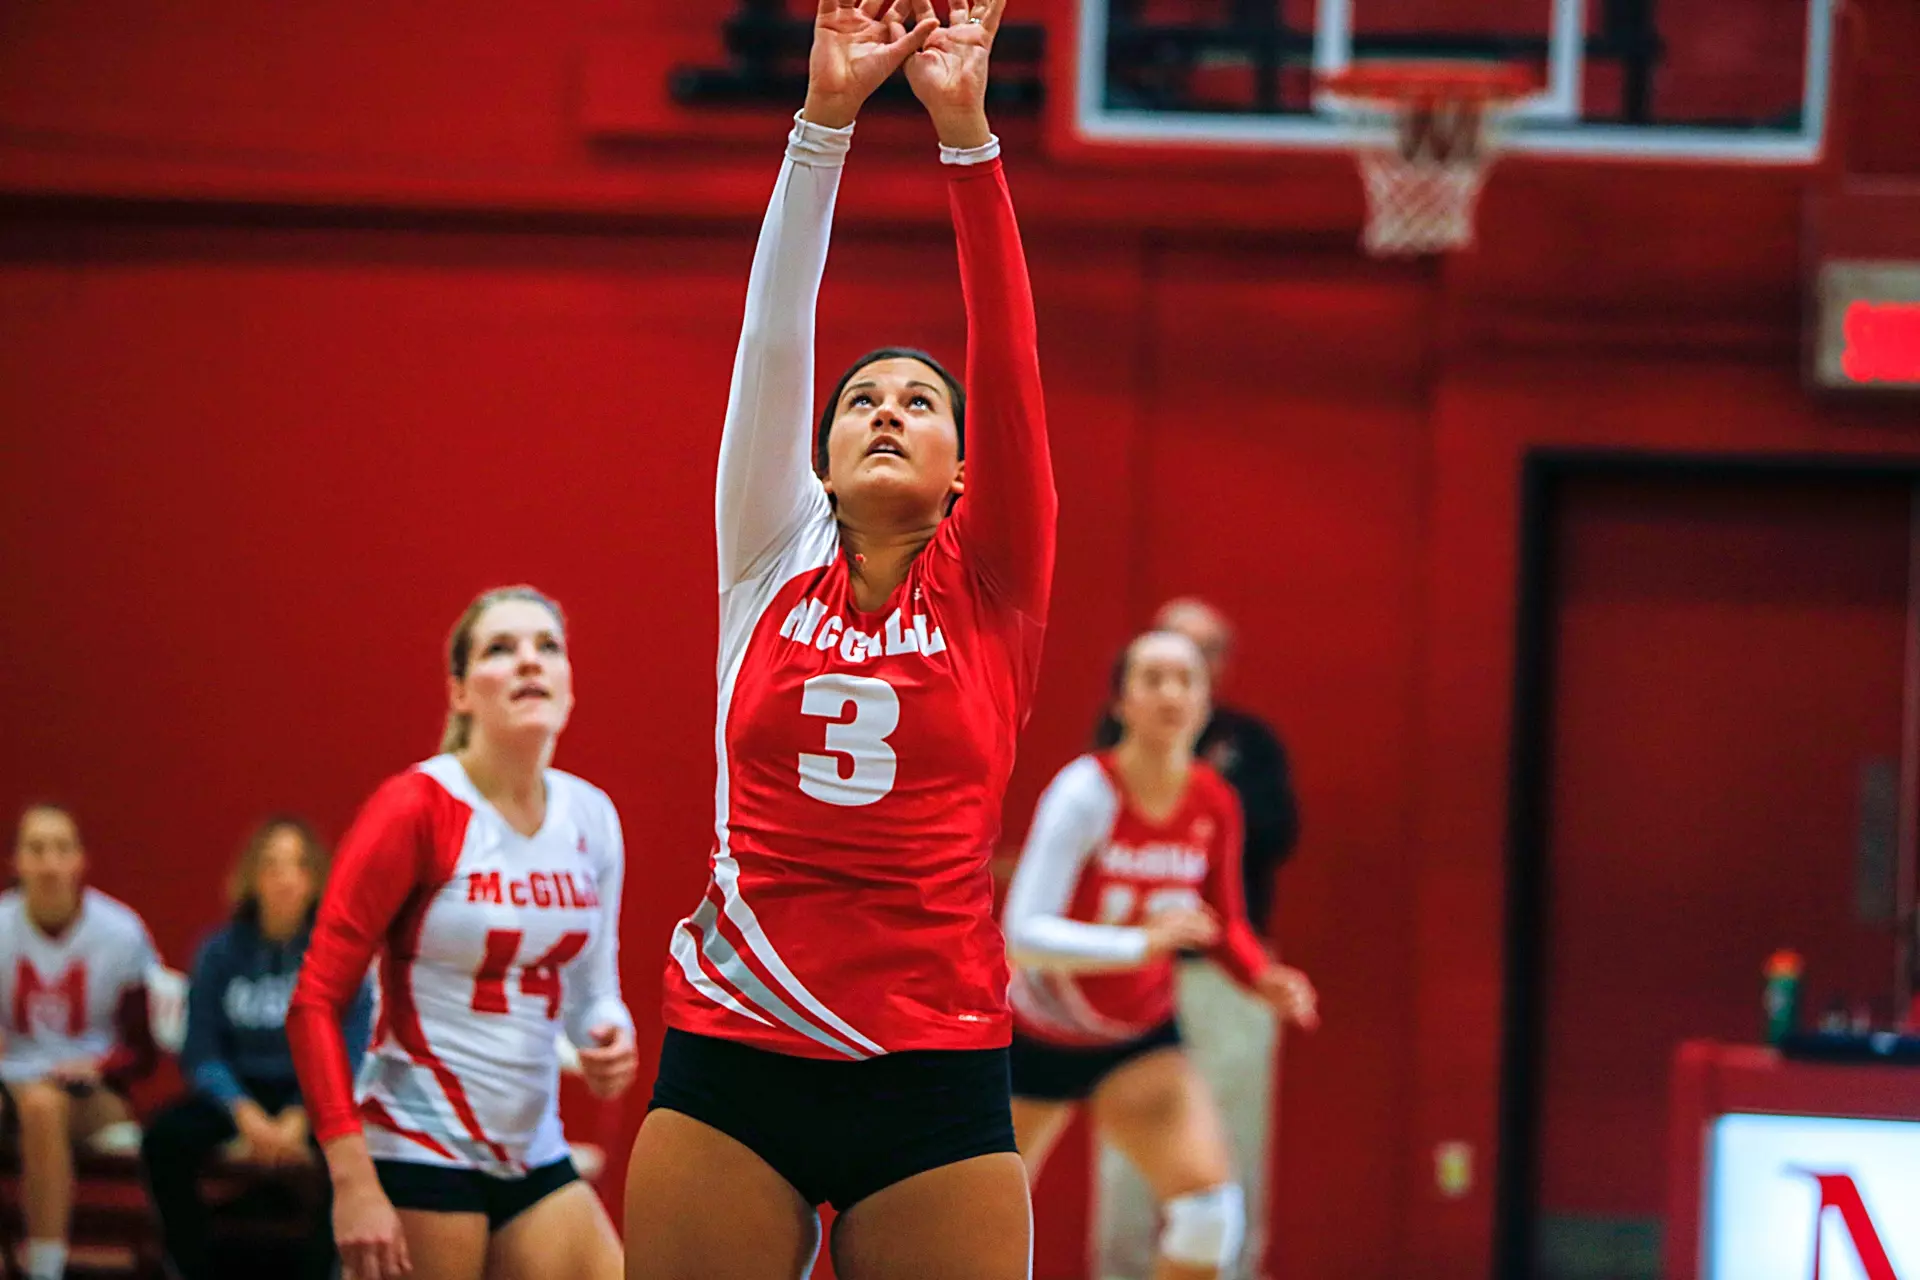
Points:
(836, 1005)
(73, 966)
(1134, 857)
(489, 886)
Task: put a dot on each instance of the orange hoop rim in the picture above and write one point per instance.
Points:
(1400, 83)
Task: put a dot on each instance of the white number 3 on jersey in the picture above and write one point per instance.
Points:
(861, 740)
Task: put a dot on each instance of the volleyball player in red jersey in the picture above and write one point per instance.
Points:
(488, 885)
(836, 1004)
(1134, 857)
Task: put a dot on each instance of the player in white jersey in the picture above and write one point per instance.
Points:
(489, 887)
(73, 966)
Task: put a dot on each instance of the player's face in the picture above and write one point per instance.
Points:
(893, 445)
(1164, 699)
(1208, 631)
(519, 679)
(48, 859)
(283, 881)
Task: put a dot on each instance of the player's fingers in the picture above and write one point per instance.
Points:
(923, 13)
(397, 1259)
(991, 18)
(914, 41)
(957, 12)
(874, 8)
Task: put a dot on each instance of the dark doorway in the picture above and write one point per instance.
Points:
(1711, 708)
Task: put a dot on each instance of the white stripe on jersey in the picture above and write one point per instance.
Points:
(1053, 1001)
(726, 873)
(687, 952)
(698, 936)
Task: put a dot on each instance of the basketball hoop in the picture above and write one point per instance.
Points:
(1422, 187)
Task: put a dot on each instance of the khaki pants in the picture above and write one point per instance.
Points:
(1233, 1041)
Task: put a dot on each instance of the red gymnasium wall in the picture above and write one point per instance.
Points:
(311, 325)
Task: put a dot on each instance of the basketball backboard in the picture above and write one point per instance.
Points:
(1702, 80)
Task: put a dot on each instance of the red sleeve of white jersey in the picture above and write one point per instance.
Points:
(134, 1054)
(1239, 950)
(1006, 520)
(385, 857)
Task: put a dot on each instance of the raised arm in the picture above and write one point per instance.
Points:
(766, 487)
(1074, 815)
(1007, 517)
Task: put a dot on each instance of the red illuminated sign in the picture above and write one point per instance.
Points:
(1866, 325)
(1881, 341)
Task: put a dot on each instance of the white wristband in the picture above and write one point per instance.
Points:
(988, 150)
(817, 145)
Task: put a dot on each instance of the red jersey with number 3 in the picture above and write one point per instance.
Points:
(863, 755)
(489, 943)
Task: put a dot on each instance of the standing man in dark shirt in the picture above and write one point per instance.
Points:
(1246, 750)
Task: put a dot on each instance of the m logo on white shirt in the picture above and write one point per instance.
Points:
(59, 1006)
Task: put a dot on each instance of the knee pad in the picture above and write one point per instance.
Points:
(1204, 1229)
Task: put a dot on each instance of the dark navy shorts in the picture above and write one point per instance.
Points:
(433, 1188)
(840, 1130)
(1063, 1073)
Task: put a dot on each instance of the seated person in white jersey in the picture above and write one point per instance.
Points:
(73, 966)
(836, 1002)
(236, 1059)
(1132, 858)
(488, 885)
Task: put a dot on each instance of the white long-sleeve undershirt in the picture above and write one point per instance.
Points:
(1074, 817)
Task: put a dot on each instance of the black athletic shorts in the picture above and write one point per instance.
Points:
(1057, 1073)
(434, 1188)
(840, 1130)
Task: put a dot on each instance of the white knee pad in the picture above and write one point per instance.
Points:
(1204, 1229)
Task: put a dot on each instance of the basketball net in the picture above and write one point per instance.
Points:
(1423, 187)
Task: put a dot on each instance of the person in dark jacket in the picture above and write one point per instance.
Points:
(1246, 750)
(236, 1058)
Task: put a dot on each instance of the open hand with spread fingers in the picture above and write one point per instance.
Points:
(949, 72)
(857, 44)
